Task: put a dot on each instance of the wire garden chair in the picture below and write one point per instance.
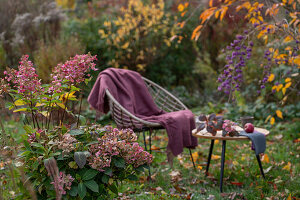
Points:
(163, 99)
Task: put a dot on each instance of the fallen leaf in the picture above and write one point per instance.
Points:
(153, 147)
(265, 158)
(175, 176)
(268, 169)
(287, 167)
(297, 140)
(236, 183)
(189, 196)
(199, 167)
(195, 156)
(211, 197)
(278, 137)
(215, 157)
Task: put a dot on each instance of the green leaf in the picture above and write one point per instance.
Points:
(132, 177)
(73, 165)
(80, 158)
(73, 88)
(24, 153)
(92, 185)
(89, 174)
(81, 190)
(140, 168)
(76, 132)
(113, 188)
(28, 129)
(38, 145)
(119, 162)
(74, 191)
(105, 178)
(108, 172)
(35, 165)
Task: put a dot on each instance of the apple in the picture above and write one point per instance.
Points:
(249, 128)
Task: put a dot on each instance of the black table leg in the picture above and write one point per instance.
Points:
(209, 155)
(192, 158)
(222, 164)
(260, 166)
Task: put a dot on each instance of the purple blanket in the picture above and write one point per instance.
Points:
(130, 90)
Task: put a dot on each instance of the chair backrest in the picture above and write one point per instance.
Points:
(163, 99)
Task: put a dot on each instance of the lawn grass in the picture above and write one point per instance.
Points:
(242, 179)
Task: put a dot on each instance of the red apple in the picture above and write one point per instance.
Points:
(249, 128)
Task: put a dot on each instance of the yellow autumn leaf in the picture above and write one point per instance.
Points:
(67, 95)
(272, 120)
(215, 157)
(289, 197)
(271, 77)
(211, 3)
(21, 109)
(279, 114)
(61, 105)
(267, 119)
(195, 156)
(125, 46)
(180, 7)
(288, 39)
(45, 113)
(20, 102)
(297, 60)
(279, 87)
(274, 87)
(39, 104)
(287, 80)
(265, 158)
(199, 167)
(287, 85)
(217, 14)
(196, 32)
(224, 10)
(287, 167)
(284, 90)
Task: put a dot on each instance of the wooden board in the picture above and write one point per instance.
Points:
(204, 134)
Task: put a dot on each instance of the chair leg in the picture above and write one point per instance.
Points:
(260, 166)
(150, 140)
(144, 136)
(192, 158)
(209, 156)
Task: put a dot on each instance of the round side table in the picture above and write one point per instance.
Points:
(206, 135)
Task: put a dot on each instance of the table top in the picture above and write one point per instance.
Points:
(206, 135)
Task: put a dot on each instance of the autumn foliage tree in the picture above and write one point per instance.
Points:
(272, 26)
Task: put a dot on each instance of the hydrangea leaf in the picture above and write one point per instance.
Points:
(92, 185)
(80, 159)
(89, 174)
(81, 190)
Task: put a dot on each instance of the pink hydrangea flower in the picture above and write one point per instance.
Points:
(67, 143)
(117, 143)
(63, 182)
(74, 70)
(4, 86)
(25, 79)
